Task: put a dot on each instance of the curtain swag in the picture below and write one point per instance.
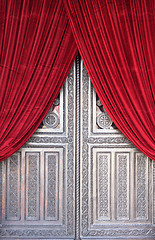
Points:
(39, 41)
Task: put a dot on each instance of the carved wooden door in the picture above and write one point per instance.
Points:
(77, 177)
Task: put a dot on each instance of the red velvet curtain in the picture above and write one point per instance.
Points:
(37, 50)
(116, 39)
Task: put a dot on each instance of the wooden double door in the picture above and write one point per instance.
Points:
(78, 176)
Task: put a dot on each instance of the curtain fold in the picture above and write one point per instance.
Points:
(116, 40)
(37, 50)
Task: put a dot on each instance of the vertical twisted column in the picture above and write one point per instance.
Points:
(77, 159)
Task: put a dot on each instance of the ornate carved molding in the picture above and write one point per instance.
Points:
(84, 192)
(38, 139)
(118, 140)
(13, 232)
(117, 232)
(44, 233)
(100, 140)
(70, 156)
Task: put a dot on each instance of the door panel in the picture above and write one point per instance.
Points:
(38, 194)
(78, 176)
(38, 182)
(117, 193)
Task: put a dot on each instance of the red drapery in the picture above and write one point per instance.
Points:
(116, 39)
(37, 50)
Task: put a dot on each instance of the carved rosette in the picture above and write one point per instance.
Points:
(104, 121)
(51, 120)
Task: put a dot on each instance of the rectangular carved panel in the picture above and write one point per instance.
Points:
(54, 185)
(100, 179)
(103, 187)
(141, 186)
(122, 185)
(51, 186)
(13, 187)
(32, 185)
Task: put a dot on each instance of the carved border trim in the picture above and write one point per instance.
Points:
(118, 140)
(99, 140)
(84, 160)
(70, 155)
(37, 139)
